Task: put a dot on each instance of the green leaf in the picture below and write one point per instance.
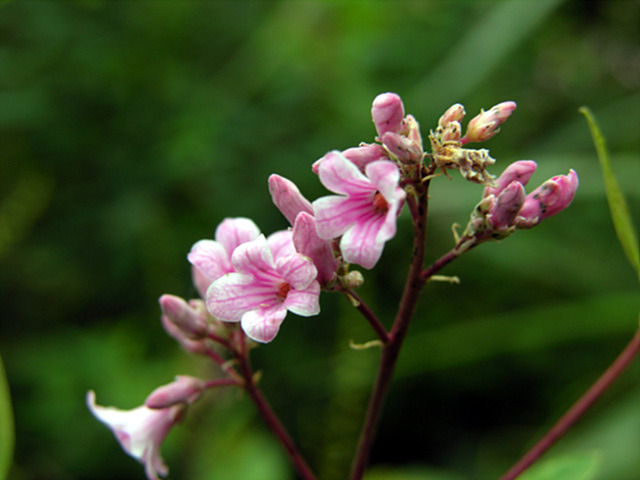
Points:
(617, 204)
(6, 425)
(576, 466)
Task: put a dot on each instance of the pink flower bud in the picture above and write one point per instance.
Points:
(519, 171)
(405, 150)
(307, 242)
(486, 124)
(551, 197)
(387, 112)
(192, 321)
(455, 113)
(193, 346)
(184, 389)
(364, 154)
(504, 211)
(287, 197)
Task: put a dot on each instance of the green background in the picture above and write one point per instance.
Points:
(129, 130)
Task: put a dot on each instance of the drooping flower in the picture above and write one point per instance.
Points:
(270, 278)
(365, 210)
(212, 258)
(140, 431)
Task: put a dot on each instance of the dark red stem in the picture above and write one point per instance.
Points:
(577, 410)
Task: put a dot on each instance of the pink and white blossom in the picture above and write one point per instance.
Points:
(365, 210)
(140, 431)
(269, 280)
(211, 259)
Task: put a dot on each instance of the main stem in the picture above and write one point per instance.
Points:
(390, 351)
(577, 410)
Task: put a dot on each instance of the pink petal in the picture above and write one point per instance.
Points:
(307, 242)
(385, 176)
(335, 214)
(362, 244)
(297, 270)
(281, 243)
(306, 302)
(263, 325)
(253, 257)
(341, 176)
(233, 232)
(231, 296)
(210, 258)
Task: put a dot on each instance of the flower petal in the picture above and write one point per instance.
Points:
(305, 303)
(210, 258)
(281, 243)
(341, 176)
(233, 232)
(253, 257)
(362, 244)
(231, 296)
(263, 325)
(335, 214)
(297, 270)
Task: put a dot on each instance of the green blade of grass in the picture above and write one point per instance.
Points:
(617, 204)
(6, 426)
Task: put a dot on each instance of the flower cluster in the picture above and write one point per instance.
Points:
(248, 279)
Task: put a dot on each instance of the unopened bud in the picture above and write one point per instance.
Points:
(486, 124)
(387, 112)
(455, 113)
(287, 197)
(184, 389)
(504, 211)
(193, 322)
(364, 154)
(353, 279)
(307, 242)
(402, 147)
(520, 171)
(451, 132)
(193, 346)
(551, 197)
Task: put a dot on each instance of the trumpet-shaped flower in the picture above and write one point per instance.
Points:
(270, 279)
(211, 259)
(365, 210)
(140, 431)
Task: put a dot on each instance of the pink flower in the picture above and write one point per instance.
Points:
(287, 197)
(270, 279)
(307, 242)
(185, 389)
(364, 211)
(551, 197)
(140, 431)
(212, 259)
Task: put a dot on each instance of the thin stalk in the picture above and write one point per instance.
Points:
(390, 351)
(577, 410)
(368, 314)
(270, 417)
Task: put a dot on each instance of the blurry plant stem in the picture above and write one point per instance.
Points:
(577, 410)
(267, 413)
(391, 349)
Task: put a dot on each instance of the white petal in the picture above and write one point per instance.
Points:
(263, 325)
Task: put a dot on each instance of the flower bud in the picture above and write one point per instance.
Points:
(193, 346)
(519, 171)
(353, 279)
(387, 112)
(307, 242)
(287, 197)
(402, 147)
(486, 124)
(504, 211)
(364, 154)
(193, 322)
(184, 389)
(551, 197)
(455, 113)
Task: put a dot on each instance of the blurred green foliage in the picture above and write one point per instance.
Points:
(129, 130)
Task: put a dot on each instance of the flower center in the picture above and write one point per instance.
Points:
(380, 205)
(283, 290)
